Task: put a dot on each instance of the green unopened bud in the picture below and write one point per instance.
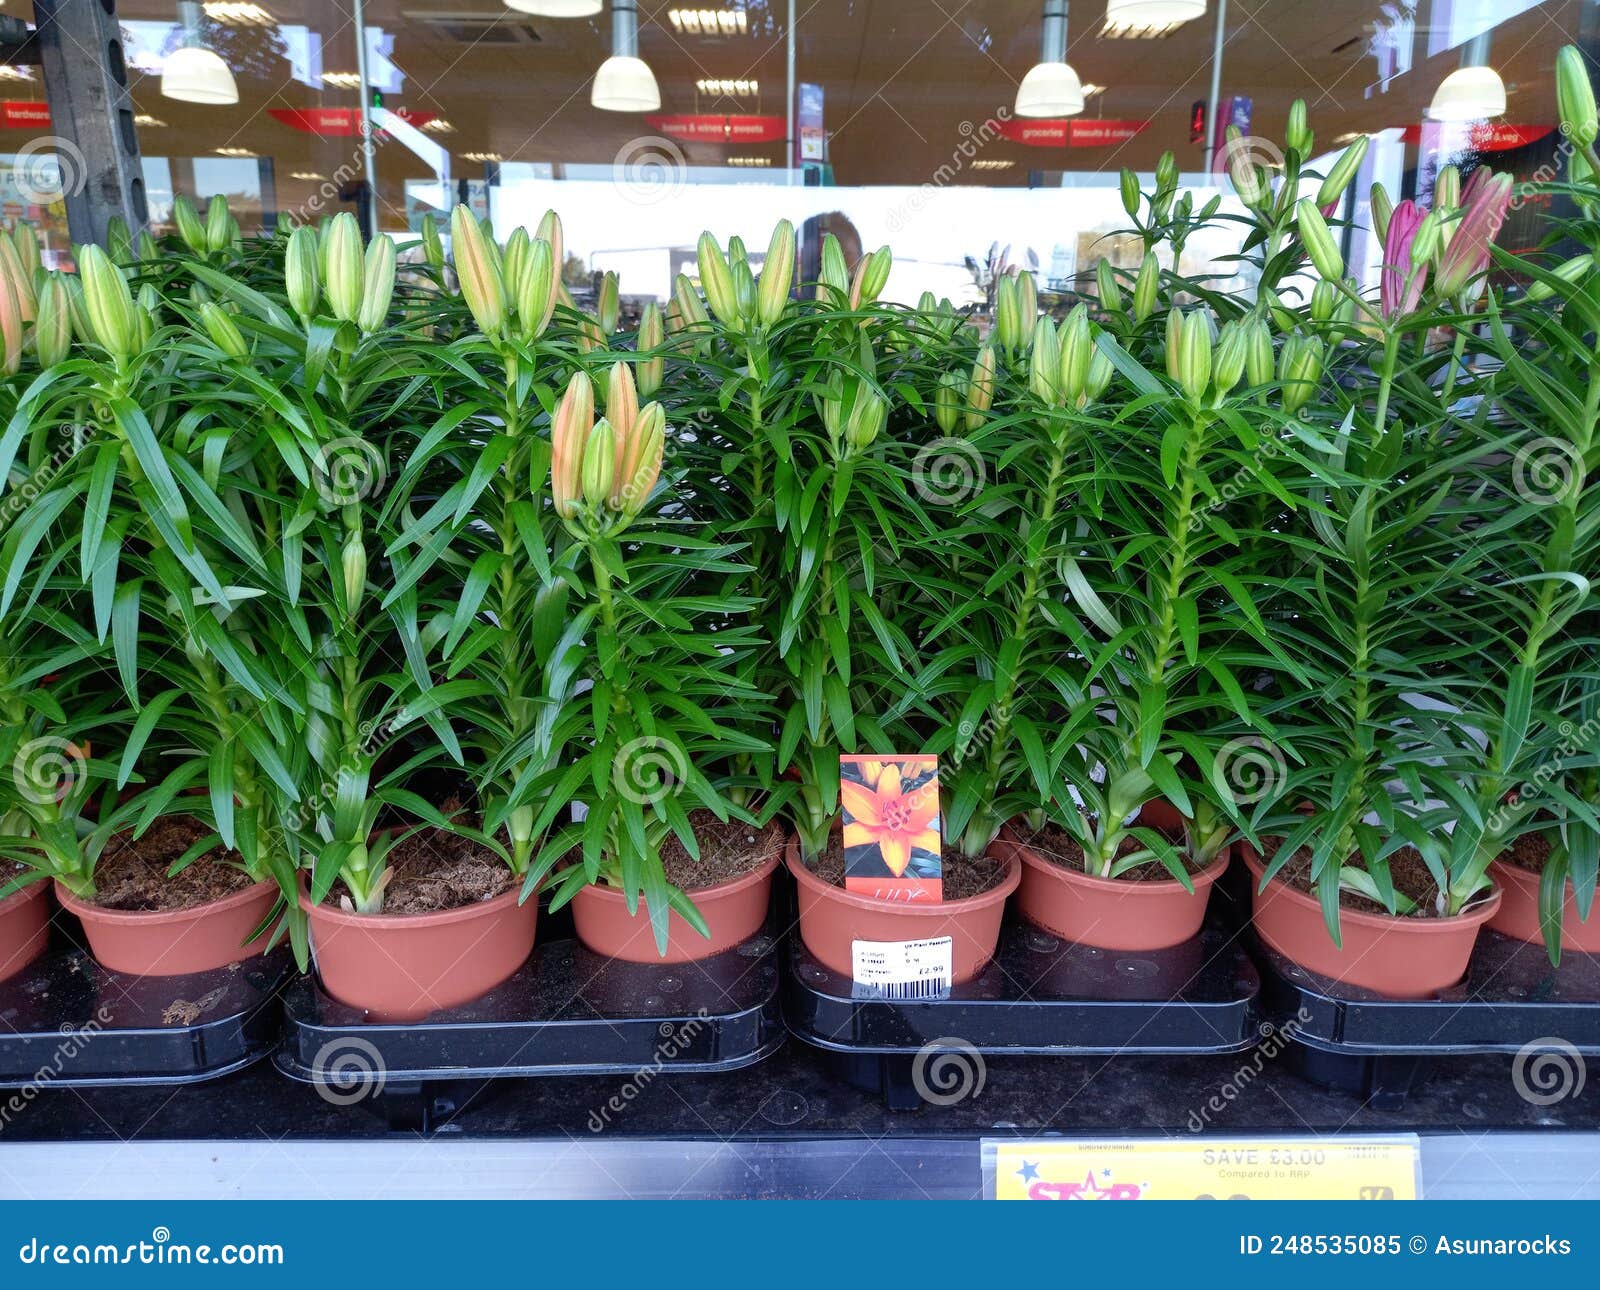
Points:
(777, 274)
(1575, 97)
(1146, 287)
(218, 221)
(148, 250)
(1249, 180)
(1077, 349)
(378, 287)
(187, 222)
(108, 304)
(26, 239)
(301, 275)
(223, 331)
(1173, 348)
(1447, 189)
(835, 272)
(1283, 318)
(514, 257)
(478, 272)
(1105, 281)
(1298, 133)
(947, 400)
(78, 310)
(52, 332)
(432, 243)
(1167, 173)
(716, 280)
(1426, 242)
(652, 333)
(1320, 246)
(1382, 206)
(1299, 370)
(1098, 377)
(1324, 300)
(599, 464)
(144, 327)
(1227, 369)
(1258, 360)
(353, 560)
(868, 413)
(1343, 172)
(876, 275)
(1130, 193)
(1007, 317)
(1027, 303)
(1195, 357)
(1044, 361)
(980, 388)
(608, 303)
(342, 266)
(1573, 270)
(535, 299)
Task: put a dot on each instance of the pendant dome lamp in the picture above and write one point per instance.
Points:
(625, 82)
(1051, 88)
(192, 73)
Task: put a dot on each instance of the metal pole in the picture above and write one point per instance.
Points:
(91, 114)
(1216, 84)
(791, 142)
(368, 153)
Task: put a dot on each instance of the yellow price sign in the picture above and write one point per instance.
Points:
(1305, 1168)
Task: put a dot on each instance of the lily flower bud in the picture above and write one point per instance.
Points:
(980, 388)
(1007, 317)
(1573, 270)
(651, 336)
(26, 239)
(1130, 193)
(646, 452)
(608, 304)
(432, 243)
(947, 400)
(777, 274)
(570, 429)
(1258, 359)
(513, 259)
(21, 280)
(301, 276)
(1342, 172)
(744, 288)
(716, 280)
(52, 333)
(1298, 133)
(550, 231)
(1320, 246)
(599, 465)
(222, 330)
(535, 300)
(482, 286)
(342, 266)
(1382, 207)
(1173, 352)
(1299, 370)
(1027, 305)
(190, 229)
(1324, 300)
(1097, 378)
(10, 327)
(622, 399)
(1146, 288)
(1575, 98)
(1447, 190)
(353, 564)
(1195, 358)
(1227, 370)
(1077, 349)
(378, 284)
(108, 304)
(1044, 362)
(1105, 281)
(868, 413)
(1249, 180)
(835, 273)
(218, 224)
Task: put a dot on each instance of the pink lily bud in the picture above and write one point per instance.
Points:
(1484, 203)
(1401, 288)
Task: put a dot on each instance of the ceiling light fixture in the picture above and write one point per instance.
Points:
(556, 8)
(235, 152)
(342, 80)
(438, 125)
(232, 14)
(993, 163)
(625, 82)
(708, 22)
(1474, 91)
(750, 161)
(147, 122)
(10, 72)
(1149, 19)
(310, 176)
(482, 156)
(1051, 88)
(192, 73)
(729, 89)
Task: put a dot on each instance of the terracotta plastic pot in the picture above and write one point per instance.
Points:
(1110, 913)
(174, 942)
(401, 967)
(831, 919)
(24, 927)
(1403, 958)
(1518, 914)
(734, 912)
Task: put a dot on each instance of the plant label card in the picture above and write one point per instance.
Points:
(892, 841)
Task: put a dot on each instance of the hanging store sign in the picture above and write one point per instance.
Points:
(712, 128)
(1067, 133)
(23, 114)
(338, 123)
(1485, 136)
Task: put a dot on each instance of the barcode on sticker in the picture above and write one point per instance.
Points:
(901, 969)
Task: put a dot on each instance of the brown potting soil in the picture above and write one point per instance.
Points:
(1407, 870)
(131, 874)
(962, 877)
(1062, 849)
(728, 850)
(1529, 852)
(433, 870)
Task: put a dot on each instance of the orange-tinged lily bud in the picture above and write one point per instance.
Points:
(980, 388)
(622, 400)
(570, 429)
(549, 230)
(10, 327)
(481, 284)
(639, 460)
(26, 239)
(21, 280)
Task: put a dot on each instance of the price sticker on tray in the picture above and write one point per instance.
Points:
(1377, 1167)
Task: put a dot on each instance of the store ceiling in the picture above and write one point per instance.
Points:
(906, 81)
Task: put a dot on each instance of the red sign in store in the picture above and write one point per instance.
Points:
(710, 128)
(23, 114)
(1064, 133)
(341, 122)
(1488, 136)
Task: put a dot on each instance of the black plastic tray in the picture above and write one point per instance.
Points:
(66, 1021)
(1511, 1000)
(1041, 995)
(567, 1011)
